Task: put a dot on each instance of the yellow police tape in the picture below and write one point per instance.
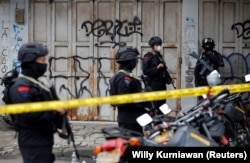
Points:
(119, 99)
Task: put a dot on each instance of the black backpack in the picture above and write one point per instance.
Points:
(7, 81)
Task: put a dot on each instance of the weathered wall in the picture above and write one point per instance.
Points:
(83, 55)
(12, 34)
(189, 44)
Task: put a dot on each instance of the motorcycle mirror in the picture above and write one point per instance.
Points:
(247, 78)
(144, 119)
(204, 96)
(213, 78)
(224, 93)
(165, 109)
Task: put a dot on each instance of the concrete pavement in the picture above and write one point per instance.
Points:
(87, 134)
(58, 160)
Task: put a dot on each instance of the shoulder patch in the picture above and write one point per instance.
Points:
(146, 58)
(127, 80)
(24, 91)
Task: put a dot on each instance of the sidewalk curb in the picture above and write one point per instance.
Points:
(66, 152)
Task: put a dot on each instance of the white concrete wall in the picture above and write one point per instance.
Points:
(12, 34)
(189, 44)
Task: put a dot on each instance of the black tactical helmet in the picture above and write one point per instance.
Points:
(208, 43)
(28, 52)
(126, 54)
(154, 40)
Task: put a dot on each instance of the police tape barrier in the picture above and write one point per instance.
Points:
(119, 99)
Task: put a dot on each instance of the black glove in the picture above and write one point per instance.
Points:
(210, 55)
(148, 89)
(214, 58)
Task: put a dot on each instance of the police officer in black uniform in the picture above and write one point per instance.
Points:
(213, 60)
(154, 67)
(125, 82)
(35, 129)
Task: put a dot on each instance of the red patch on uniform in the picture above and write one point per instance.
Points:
(127, 78)
(147, 58)
(23, 89)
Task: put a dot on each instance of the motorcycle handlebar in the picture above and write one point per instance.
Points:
(196, 110)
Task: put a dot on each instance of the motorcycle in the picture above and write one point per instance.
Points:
(117, 140)
(237, 116)
(194, 127)
(216, 121)
(155, 127)
(235, 111)
(213, 121)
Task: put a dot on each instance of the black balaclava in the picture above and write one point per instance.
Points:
(33, 69)
(208, 47)
(128, 65)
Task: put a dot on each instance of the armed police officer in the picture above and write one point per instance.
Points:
(35, 129)
(125, 82)
(210, 60)
(154, 67)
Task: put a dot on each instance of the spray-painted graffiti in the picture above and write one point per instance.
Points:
(232, 73)
(76, 60)
(242, 29)
(235, 73)
(101, 75)
(83, 86)
(17, 36)
(4, 34)
(5, 48)
(81, 83)
(124, 28)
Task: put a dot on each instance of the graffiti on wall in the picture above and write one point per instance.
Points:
(124, 28)
(81, 83)
(17, 37)
(5, 48)
(81, 87)
(242, 29)
(234, 75)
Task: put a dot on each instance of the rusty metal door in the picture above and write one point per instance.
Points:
(84, 35)
(163, 18)
(58, 24)
(227, 22)
(135, 29)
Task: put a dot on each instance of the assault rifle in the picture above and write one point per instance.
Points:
(147, 89)
(205, 67)
(66, 128)
(165, 73)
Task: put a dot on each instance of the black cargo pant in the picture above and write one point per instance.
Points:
(37, 154)
(132, 126)
(158, 85)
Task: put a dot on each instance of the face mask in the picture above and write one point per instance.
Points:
(131, 65)
(158, 48)
(40, 68)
